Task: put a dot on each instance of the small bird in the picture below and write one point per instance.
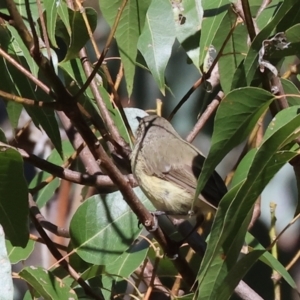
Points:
(167, 168)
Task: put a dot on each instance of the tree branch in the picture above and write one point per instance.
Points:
(63, 262)
(96, 180)
(59, 231)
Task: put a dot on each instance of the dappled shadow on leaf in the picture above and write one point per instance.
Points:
(103, 228)
(213, 12)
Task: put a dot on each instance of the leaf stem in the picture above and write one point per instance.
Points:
(274, 250)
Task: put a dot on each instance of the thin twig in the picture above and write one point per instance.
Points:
(256, 212)
(281, 101)
(278, 276)
(35, 49)
(113, 130)
(238, 8)
(30, 102)
(205, 76)
(88, 27)
(117, 103)
(283, 231)
(119, 77)
(43, 25)
(40, 240)
(274, 249)
(63, 262)
(153, 276)
(245, 292)
(144, 273)
(104, 51)
(211, 108)
(31, 77)
(254, 140)
(66, 174)
(248, 19)
(59, 231)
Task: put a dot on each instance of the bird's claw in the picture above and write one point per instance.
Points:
(155, 222)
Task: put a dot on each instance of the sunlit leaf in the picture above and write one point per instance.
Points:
(157, 38)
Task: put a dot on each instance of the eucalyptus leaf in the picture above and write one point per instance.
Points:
(13, 202)
(128, 31)
(271, 261)
(79, 32)
(188, 16)
(17, 254)
(157, 38)
(46, 284)
(104, 227)
(214, 12)
(51, 15)
(46, 193)
(244, 106)
(232, 211)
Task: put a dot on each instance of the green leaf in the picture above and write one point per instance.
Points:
(17, 44)
(266, 15)
(2, 137)
(251, 61)
(46, 285)
(62, 12)
(20, 4)
(214, 12)
(244, 106)
(128, 31)
(188, 16)
(104, 227)
(73, 71)
(292, 34)
(271, 261)
(91, 272)
(23, 87)
(232, 211)
(129, 261)
(115, 114)
(79, 35)
(13, 201)
(242, 170)
(74, 78)
(6, 287)
(231, 222)
(27, 296)
(7, 82)
(234, 51)
(51, 15)
(46, 118)
(290, 88)
(46, 193)
(290, 16)
(17, 254)
(209, 273)
(235, 275)
(157, 38)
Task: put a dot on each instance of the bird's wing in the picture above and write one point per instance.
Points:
(186, 176)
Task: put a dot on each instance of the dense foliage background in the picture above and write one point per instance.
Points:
(69, 205)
